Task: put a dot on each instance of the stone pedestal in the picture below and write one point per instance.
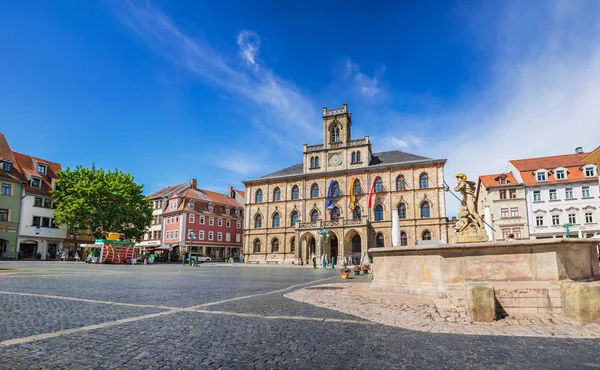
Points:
(581, 301)
(481, 304)
(472, 236)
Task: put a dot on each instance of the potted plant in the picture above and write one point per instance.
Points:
(366, 268)
(356, 270)
(345, 272)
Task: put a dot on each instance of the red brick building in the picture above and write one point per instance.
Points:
(216, 219)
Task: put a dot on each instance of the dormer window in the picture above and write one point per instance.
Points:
(36, 182)
(560, 174)
(541, 175)
(227, 210)
(173, 204)
(210, 208)
(237, 212)
(42, 169)
(503, 181)
(589, 171)
(6, 166)
(192, 204)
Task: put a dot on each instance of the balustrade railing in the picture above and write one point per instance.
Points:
(319, 224)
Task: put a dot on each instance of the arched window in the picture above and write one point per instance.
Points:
(276, 220)
(356, 213)
(275, 246)
(400, 183)
(314, 216)
(356, 187)
(403, 239)
(426, 235)
(258, 197)
(276, 194)
(335, 214)
(293, 245)
(379, 241)
(401, 211)
(357, 157)
(312, 162)
(316, 162)
(423, 181)
(379, 213)
(335, 134)
(336, 189)
(354, 157)
(378, 185)
(257, 221)
(257, 246)
(294, 218)
(295, 192)
(425, 210)
(314, 191)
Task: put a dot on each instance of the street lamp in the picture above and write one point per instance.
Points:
(191, 236)
(324, 234)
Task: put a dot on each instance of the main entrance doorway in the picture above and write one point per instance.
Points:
(334, 247)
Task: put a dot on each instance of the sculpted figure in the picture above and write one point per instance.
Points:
(468, 208)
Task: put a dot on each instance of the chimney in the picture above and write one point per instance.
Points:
(231, 192)
(579, 150)
(194, 184)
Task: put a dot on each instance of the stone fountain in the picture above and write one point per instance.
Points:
(491, 278)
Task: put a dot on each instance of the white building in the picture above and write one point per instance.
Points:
(560, 191)
(38, 234)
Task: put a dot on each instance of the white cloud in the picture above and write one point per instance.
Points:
(282, 111)
(240, 164)
(408, 142)
(544, 102)
(249, 43)
(362, 84)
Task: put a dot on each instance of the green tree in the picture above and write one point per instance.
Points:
(101, 201)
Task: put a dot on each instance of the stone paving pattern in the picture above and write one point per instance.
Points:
(199, 340)
(25, 316)
(423, 315)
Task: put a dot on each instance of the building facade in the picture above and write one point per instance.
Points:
(593, 158)
(286, 210)
(153, 237)
(215, 219)
(11, 189)
(561, 191)
(39, 237)
(501, 201)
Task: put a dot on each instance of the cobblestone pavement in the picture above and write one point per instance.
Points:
(424, 315)
(233, 317)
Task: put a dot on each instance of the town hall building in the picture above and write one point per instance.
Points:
(288, 211)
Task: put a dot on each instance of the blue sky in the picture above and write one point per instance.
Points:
(229, 90)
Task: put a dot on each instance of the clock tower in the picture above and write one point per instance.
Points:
(338, 151)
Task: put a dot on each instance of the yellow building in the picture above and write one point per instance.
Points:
(593, 158)
(286, 210)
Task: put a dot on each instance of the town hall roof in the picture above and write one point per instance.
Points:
(381, 159)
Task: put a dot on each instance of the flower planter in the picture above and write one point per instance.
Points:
(345, 276)
(356, 272)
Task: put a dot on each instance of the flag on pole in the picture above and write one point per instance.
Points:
(351, 192)
(329, 197)
(371, 191)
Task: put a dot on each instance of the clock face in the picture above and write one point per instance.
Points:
(335, 159)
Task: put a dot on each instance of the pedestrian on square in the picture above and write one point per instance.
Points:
(76, 256)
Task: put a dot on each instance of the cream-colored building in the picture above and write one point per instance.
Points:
(286, 210)
(501, 200)
(593, 158)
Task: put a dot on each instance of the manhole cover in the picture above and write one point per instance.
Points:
(324, 288)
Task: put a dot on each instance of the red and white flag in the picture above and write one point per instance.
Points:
(371, 191)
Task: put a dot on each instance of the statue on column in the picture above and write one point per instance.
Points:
(470, 226)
